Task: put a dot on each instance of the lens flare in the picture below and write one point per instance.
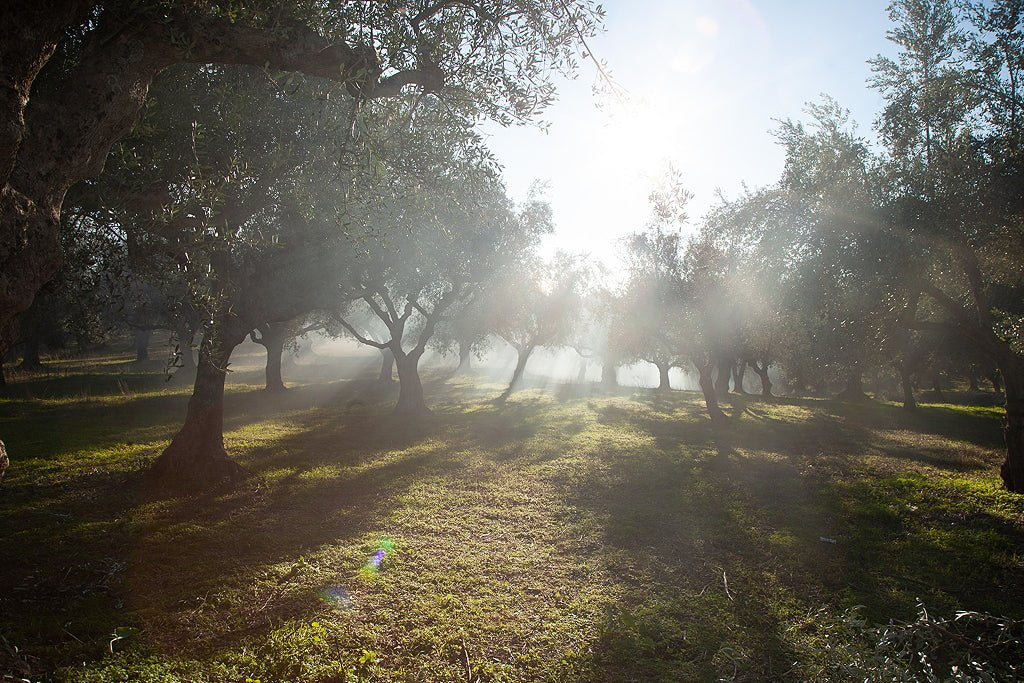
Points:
(375, 564)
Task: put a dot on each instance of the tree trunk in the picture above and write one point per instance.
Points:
(1012, 471)
(581, 374)
(30, 359)
(909, 402)
(522, 356)
(707, 386)
(854, 389)
(410, 389)
(465, 357)
(738, 371)
(608, 375)
(997, 381)
(723, 376)
(275, 350)
(3, 376)
(196, 458)
(972, 380)
(663, 380)
(141, 343)
(937, 387)
(387, 367)
(762, 373)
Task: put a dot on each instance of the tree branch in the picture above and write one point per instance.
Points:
(360, 338)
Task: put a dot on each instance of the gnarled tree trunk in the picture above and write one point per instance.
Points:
(723, 376)
(609, 378)
(663, 380)
(854, 389)
(410, 388)
(906, 382)
(762, 373)
(387, 367)
(272, 337)
(465, 357)
(738, 371)
(706, 372)
(196, 458)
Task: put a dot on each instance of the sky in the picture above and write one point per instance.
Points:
(704, 82)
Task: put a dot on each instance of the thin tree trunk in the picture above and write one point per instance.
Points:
(707, 386)
(196, 458)
(141, 343)
(522, 356)
(766, 380)
(387, 367)
(663, 380)
(738, 371)
(410, 389)
(3, 376)
(997, 381)
(1012, 471)
(906, 382)
(937, 386)
(465, 357)
(723, 377)
(581, 374)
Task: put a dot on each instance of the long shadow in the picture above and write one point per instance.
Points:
(716, 532)
(125, 559)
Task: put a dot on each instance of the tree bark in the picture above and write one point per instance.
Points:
(465, 357)
(762, 373)
(1012, 470)
(272, 337)
(30, 359)
(972, 380)
(387, 367)
(854, 389)
(997, 382)
(522, 356)
(738, 371)
(275, 350)
(663, 379)
(937, 387)
(707, 387)
(196, 458)
(906, 382)
(410, 389)
(723, 376)
(581, 374)
(141, 343)
(609, 378)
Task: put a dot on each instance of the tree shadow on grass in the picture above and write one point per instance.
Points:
(86, 553)
(780, 510)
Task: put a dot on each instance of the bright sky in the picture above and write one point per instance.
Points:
(705, 80)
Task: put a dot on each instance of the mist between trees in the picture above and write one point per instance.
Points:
(266, 174)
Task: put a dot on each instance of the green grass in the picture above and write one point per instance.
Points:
(568, 535)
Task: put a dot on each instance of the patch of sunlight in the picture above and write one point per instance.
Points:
(783, 538)
(321, 473)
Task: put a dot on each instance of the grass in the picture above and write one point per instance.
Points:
(569, 535)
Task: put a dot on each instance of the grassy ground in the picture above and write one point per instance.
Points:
(568, 535)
